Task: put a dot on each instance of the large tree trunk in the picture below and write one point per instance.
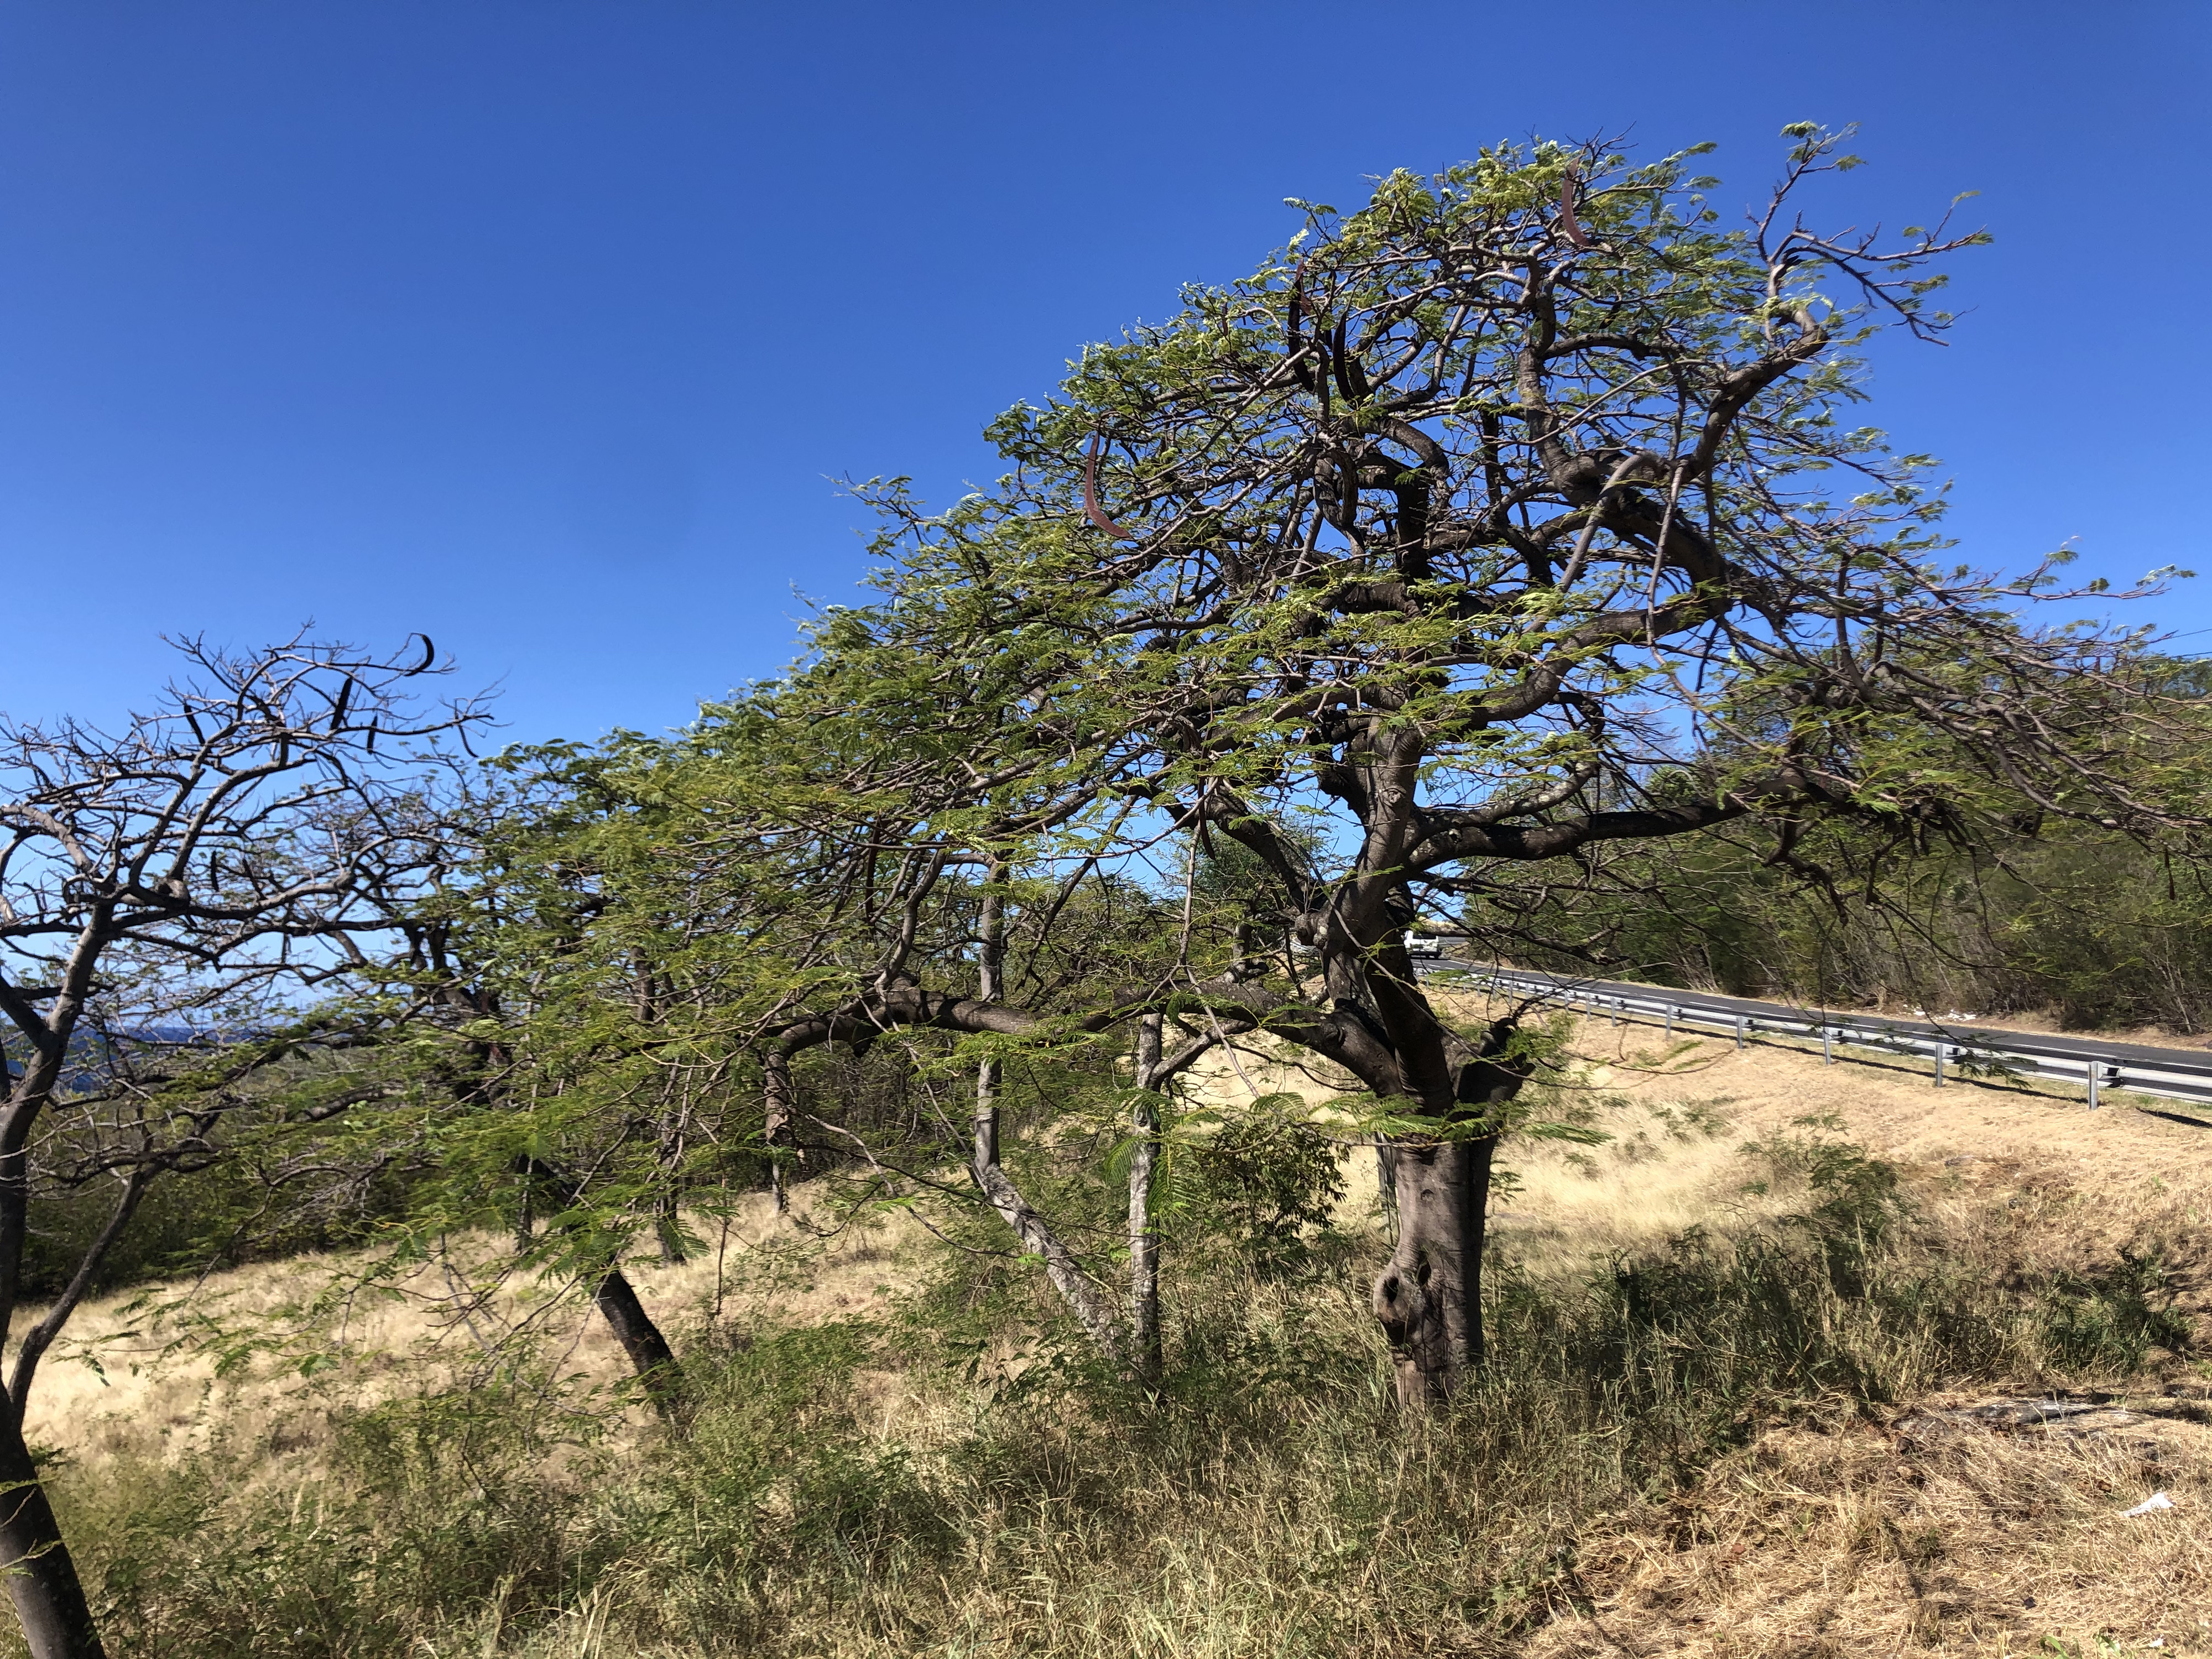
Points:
(41, 1576)
(1429, 1298)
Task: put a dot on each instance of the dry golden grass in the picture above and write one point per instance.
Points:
(1860, 1540)
(120, 1384)
(1681, 1112)
(1907, 1531)
(2063, 1185)
(1865, 1541)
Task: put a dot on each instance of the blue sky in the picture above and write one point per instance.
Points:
(541, 327)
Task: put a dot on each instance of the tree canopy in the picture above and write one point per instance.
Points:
(1519, 514)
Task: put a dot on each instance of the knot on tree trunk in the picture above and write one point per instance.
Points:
(1401, 1302)
(1427, 1297)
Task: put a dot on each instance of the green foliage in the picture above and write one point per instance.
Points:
(1272, 1178)
(1506, 543)
(2113, 1317)
(2102, 930)
(1423, 576)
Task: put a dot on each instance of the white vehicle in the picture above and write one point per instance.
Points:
(1423, 944)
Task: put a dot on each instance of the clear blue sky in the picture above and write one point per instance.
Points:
(538, 327)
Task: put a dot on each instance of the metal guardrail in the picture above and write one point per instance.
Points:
(2172, 1073)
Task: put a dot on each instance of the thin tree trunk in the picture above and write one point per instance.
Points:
(1429, 1298)
(782, 1105)
(668, 1233)
(989, 987)
(667, 1209)
(616, 1299)
(985, 1149)
(641, 1339)
(1067, 1277)
(41, 1576)
(1143, 1237)
(40, 1336)
(1061, 1266)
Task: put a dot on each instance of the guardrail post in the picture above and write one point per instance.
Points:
(2096, 1071)
(1670, 1019)
(1827, 1043)
(1741, 1021)
(1939, 1062)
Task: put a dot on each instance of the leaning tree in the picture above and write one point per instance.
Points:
(1516, 512)
(175, 895)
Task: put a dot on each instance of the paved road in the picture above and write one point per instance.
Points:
(2181, 1074)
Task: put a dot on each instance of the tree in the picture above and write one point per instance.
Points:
(1514, 514)
(172, 897)
(666, 931)
(567, 1012)
(1996, 905)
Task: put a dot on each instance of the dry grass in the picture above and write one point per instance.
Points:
(1303, 1522)
(1882, 1540)
(129, 1382)
(1681, 1112)
(1902, 1538)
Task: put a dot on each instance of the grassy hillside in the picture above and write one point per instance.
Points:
(1750, 1355)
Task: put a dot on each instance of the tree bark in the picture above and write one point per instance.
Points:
(667, 1210)
(1429, 1298)
(990, 960)
(1061, 1266)
(616, 1299)
(1090, 1310)
(41, 1576)
(1067, 1277)
(655, 1361)
(1143, 1237)
(986, 1148)
(781, 1103)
